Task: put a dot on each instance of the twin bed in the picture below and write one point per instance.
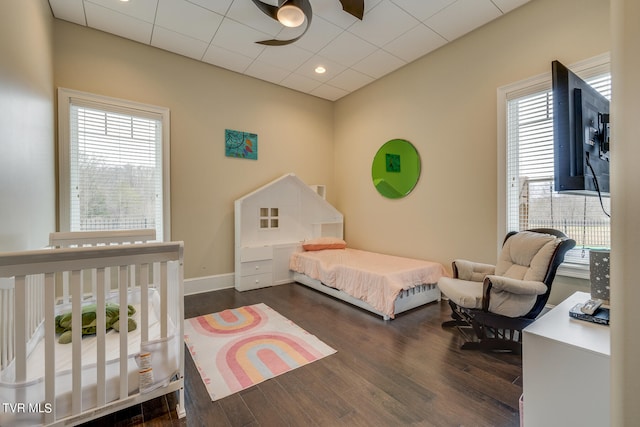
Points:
(44, 382)
(382, 284)
(286, 231)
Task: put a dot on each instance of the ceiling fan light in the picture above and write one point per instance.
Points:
(290, 16)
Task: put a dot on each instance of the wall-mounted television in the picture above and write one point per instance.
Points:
(580, 135)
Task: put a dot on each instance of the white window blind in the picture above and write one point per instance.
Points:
(531, 199)
(115, 167)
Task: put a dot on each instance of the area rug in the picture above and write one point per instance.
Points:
(237, 348)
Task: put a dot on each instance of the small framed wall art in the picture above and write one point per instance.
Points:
(393, 162)
(240, 144)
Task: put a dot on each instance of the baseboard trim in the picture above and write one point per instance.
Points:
(199, 285)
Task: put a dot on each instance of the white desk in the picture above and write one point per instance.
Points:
(565, 368)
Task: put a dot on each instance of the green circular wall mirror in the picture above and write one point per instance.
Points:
(396, 168)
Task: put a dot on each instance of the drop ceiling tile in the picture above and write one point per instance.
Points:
(415, 43)
(350, 80)
(239, 38)
(508, 5)
(268, 72)
(378, 64)
(422, 10)
(217, 6)
(331, 10)
(226, 59)
(318, 36)
(145, 10)
(347, 49)
(69, 10)
(289, 57)
(178, 43)
(331, 93)
(248, 13)
(300, 83)
(462, 17)
(370, 4)
(110, 21)
(188, 19)
(383, 23)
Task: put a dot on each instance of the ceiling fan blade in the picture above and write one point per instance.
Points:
(269, 10)
(305, 6)
(354, 7)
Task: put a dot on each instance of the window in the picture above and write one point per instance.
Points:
(530, 200)
(114, 164)
(269, 218)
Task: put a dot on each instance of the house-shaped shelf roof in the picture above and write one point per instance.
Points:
(284, 210)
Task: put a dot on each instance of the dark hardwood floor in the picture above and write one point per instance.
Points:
(407, 371)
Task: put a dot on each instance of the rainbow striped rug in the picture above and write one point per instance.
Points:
(237, 348)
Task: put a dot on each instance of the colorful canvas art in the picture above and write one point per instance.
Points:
(241, 144)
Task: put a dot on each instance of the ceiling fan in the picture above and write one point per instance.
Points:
(292, 13)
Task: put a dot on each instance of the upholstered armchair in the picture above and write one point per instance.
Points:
(496, 302)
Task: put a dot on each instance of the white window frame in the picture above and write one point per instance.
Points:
(584, 69)
(65, 97)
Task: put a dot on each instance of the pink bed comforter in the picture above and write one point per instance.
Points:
(371, 277)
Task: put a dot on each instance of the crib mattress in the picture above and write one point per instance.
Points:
(372, 277)
(165, 364)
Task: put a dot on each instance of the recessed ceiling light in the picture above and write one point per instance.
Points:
(320, 69)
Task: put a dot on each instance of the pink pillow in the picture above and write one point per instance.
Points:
(321, 243)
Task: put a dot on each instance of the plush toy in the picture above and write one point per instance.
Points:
(63, 321)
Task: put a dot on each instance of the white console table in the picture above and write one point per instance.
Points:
(565, 368)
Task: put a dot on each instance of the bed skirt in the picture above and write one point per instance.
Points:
(407, 299)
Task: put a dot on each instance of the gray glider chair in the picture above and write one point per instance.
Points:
(495, 303)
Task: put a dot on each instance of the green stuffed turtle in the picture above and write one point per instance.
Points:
(63, 321)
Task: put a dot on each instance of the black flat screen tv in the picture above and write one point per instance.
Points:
(580, 135)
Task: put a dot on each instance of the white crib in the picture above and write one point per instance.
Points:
(43, 382)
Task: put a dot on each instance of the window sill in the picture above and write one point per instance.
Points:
(578, 271)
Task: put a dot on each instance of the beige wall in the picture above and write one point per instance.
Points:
(445, 104)
(295, 131)
(27, 167)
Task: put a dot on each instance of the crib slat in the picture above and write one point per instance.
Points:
(7, 295)
(144, 302)
(49, 346)
(164, 319)
(101, 326)
(20, 322)
(180, 409)
(75, 279)
(124, 372)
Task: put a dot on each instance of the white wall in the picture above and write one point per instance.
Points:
(27, 150)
